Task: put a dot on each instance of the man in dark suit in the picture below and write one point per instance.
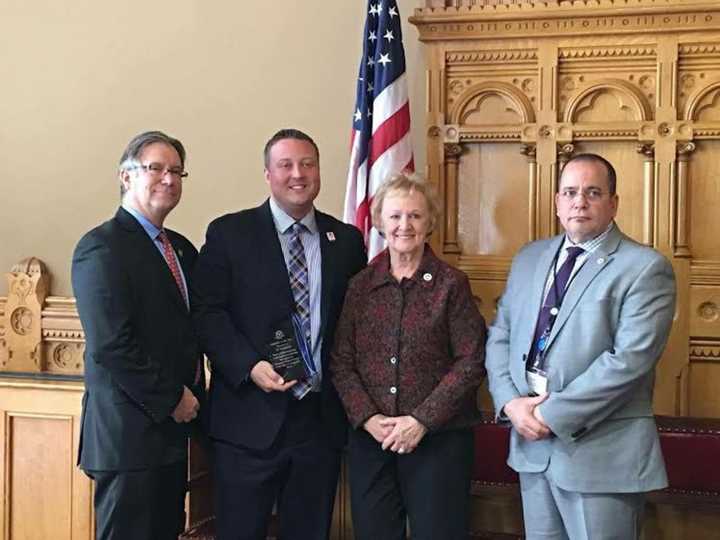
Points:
(275, 439)
(142, 361)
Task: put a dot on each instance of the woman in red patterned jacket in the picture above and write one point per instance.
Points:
(408, 359)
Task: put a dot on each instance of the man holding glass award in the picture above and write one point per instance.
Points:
(270, 283)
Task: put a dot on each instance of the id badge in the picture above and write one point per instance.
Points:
(537, 381)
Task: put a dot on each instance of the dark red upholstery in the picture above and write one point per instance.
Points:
(691, 447)
(491, 450)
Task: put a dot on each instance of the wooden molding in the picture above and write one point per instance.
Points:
(38, 333)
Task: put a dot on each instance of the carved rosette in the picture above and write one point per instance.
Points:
(64, 357)
(28, 285)
(709, 311)
(21, 321)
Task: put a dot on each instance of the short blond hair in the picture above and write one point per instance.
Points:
(406, 183)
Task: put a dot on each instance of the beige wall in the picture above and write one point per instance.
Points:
(79, 78)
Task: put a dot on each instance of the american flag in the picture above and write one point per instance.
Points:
(380, 141)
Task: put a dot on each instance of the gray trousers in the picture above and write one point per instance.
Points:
(551, 513)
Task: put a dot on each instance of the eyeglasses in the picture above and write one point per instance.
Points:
(157, 170)
(590, 194)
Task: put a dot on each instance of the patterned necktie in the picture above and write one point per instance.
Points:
(549, 309)
(298, 274)
(169, 254)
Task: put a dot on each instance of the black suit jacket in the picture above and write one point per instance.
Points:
(140, 346)
(240, 291)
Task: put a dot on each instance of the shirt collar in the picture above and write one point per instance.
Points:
(425, 275)
(283, 221)
(590, 245)
(150, 228)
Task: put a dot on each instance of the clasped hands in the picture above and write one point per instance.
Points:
(399, 434)
(526, 418)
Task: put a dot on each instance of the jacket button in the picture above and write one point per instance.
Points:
(393, 390)
(393, 360)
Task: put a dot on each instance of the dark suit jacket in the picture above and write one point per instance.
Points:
(140, 346)
(240, 291)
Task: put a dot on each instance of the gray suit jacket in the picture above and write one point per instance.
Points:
(601, 357)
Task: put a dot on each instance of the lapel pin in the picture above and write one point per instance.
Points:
(330, 236)
(427, 276)
(179, 252)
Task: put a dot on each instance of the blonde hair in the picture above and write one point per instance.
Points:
(405, 183)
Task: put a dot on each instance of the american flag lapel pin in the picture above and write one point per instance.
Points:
(330, 236)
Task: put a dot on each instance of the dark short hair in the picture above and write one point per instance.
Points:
(594, 158)
(135, 147)
(288, 133)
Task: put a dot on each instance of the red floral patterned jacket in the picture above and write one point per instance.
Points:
(416, 347)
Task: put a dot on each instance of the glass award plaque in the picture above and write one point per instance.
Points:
(284, 353)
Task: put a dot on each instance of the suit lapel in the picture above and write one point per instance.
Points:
(150, 255)
(272, 261)
(537, 291)
(594, 264)
(326, 255)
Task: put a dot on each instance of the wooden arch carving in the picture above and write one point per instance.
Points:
(471, 99)
(641, 107)
(696, 103)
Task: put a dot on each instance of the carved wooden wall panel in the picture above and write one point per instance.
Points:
(517, 87)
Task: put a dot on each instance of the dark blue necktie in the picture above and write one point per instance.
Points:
(551, 306)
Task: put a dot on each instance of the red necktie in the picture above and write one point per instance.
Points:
(169, 254)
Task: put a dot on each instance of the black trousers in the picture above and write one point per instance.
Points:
(299, 472)
(142, 505)
(429, 487)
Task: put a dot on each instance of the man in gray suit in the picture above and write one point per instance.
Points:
(571, 359)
